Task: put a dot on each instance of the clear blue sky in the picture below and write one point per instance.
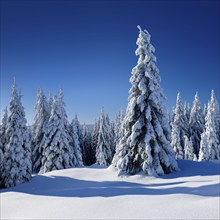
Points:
(87, 48)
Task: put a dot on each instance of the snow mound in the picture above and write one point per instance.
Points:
(97, 192)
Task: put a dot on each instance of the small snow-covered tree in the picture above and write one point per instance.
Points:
(146, 143)
(39, 127)
(176, 143)
(57, 150)
(196, 124)
(17, 156)
(76, 143)
(103, 150)
(189, 150)
(204, 153)
(180, 122)
(209, 136)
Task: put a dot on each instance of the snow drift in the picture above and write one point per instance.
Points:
(97, 192)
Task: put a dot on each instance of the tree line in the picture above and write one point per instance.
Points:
(52, 142)
(196, 130)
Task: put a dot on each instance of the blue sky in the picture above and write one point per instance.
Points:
(87, 48)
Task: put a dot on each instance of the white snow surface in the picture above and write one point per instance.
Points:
(97, 192)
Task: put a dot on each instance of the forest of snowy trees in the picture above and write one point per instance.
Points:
(144, 138)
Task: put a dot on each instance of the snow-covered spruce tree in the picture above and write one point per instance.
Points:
(17, 156)
(95, 134)
(189, 150)
(62, 109)
(146, 143)
(209, 136)
(112, 137)
(110, 127)
(50, 102)
(57, 151)
(119, 126)
(186, 112)
(39, 128)
(176, 143)
(204, 154)
(196, 124)
(103, 150)
(76, 143)
(180, 122)
(80, 135)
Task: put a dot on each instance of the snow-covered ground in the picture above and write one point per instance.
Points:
(98, 193)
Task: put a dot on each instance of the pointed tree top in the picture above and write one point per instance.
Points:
(61, 92)
(139, 27)
(213, 93)
(178, 97)
(14, 84)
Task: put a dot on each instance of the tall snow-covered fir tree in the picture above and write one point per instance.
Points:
(63, 110)
(39, 128)
(110, 128)
(189, 150)
(180, 123)
(186, 112)
(210, 147)
(204, 152)
(196, 124)
(76, 143)
(80, 135)
(17, 155)
(57, 150)
(119, 126)
(176, 142)
(95, 134)
(103, 149)
(112, 137)
(146, 144)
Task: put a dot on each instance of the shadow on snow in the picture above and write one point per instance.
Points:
(62, 186)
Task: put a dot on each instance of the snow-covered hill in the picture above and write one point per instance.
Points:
(98, 193)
